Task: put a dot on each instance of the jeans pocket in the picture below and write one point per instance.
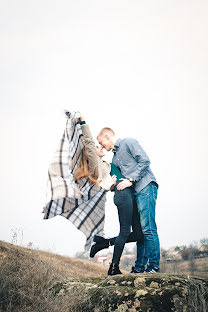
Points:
(118, 199)
(122, 197)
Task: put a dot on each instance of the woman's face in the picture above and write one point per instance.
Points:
(99, 151)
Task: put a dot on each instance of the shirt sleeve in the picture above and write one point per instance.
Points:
(107, 182)
(91, 150)
(141, 158)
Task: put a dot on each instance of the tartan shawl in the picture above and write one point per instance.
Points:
(81, 202)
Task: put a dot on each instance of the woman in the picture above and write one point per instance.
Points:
(108, 176)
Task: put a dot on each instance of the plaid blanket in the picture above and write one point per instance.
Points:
(81, 202)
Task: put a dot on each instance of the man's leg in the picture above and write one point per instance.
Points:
(136, 234)
(150, 249)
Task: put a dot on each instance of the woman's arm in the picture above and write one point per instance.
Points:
(93, 160)
(97, 167)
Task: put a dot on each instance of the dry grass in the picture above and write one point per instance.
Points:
(26, 278)
(194, 267)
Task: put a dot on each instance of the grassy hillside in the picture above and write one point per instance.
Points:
(194, 267)
(64, 266)
(26, 277)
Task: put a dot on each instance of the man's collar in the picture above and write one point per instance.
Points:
(116, 145)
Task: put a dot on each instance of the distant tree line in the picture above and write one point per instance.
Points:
(187, 252)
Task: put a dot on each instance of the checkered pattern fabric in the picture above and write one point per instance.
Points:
(81, 202)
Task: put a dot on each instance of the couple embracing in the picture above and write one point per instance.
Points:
(135, 193)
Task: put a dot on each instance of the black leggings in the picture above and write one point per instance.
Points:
(128, 216)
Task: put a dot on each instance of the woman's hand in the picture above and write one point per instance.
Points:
(114, 177)
(82, 118)
(124, 184)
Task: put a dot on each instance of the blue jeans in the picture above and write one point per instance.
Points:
(148, 252)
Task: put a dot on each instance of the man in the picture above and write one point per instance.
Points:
(135, 167)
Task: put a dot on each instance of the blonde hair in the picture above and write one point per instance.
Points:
(82, 170)
(104, 131)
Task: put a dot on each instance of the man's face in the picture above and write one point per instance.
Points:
(105, 142)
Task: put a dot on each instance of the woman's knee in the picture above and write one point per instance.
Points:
(124, 232)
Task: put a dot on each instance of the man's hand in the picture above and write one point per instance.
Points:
(124, 184)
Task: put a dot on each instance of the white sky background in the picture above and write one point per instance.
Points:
(139, 67)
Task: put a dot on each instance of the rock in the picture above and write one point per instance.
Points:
(139, 292)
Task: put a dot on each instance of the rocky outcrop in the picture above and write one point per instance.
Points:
(137, 292)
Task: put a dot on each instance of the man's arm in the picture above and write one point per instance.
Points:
(141, 158)
(142, 163)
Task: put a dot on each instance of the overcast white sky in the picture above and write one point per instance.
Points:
(140, 67)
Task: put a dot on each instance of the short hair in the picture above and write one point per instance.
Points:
(105, 130)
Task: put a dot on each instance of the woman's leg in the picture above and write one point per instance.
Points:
(124, 201)
(136, 235)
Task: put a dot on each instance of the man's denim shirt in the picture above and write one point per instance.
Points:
(133, 162)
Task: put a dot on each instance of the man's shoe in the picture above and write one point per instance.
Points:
(114, 269)
(152, 270)
(97, 247)
(133, 270)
